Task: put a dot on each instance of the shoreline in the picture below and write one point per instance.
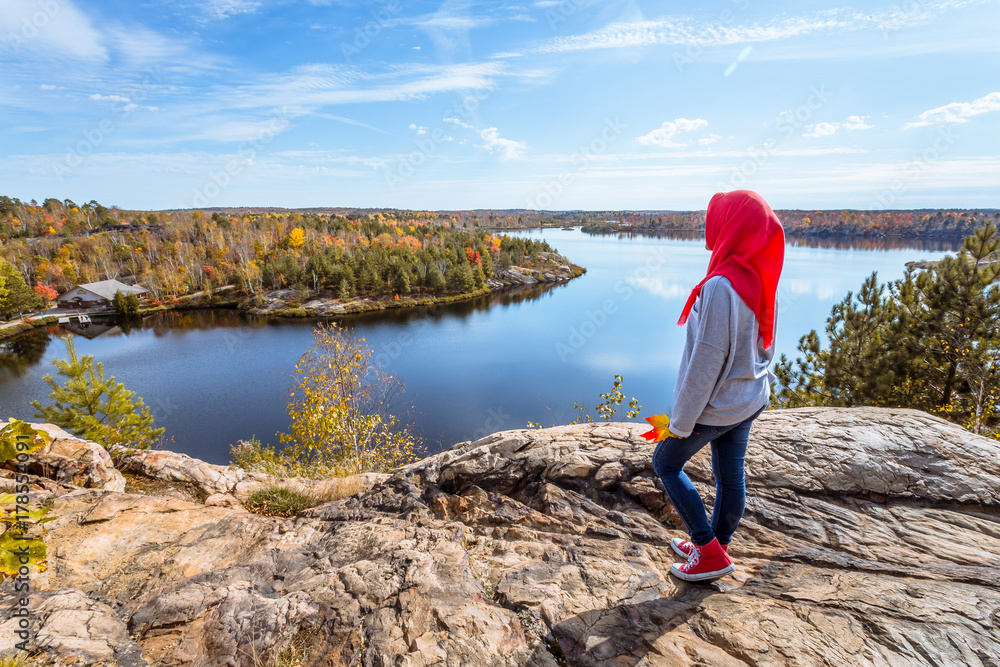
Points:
(308, 303)
(22, 327)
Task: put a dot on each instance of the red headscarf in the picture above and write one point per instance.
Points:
(748, 247)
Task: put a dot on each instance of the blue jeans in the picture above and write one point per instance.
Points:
(729, 450)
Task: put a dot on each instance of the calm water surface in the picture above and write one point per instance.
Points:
(214, 377)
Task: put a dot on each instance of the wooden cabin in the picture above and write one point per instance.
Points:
(96, 295)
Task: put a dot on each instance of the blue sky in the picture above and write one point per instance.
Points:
(552, 104)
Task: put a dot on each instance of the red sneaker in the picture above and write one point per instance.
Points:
(683, 547)
(704, 564)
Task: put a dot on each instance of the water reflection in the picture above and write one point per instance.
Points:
(20, 353)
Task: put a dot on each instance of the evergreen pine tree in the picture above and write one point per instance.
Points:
(487, 262)
(459, 278)
(958, 328)
(94, 407)
(344, 291)
(479, 277)
(126, 304)
(15, 297)
(399, 277)
(435, 279)
(929, 341)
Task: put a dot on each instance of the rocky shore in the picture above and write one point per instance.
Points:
(872, 537)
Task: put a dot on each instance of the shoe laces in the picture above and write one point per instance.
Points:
(693, 557)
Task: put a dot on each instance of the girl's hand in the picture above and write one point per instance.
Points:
(674, 435)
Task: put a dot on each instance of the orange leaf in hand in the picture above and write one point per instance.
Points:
(661, 428)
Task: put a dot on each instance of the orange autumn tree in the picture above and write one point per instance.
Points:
(44, 292)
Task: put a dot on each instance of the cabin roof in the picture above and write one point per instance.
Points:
(107, 288)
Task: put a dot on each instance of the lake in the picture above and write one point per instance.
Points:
(214, 377)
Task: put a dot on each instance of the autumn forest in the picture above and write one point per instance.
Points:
(57, 244)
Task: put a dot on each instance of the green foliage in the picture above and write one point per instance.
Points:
(344, 291)
(435, 279)
(94, 407)
(18, 437)
(399, 277)
(17, 514)
(487, 263)
(459, 278)
(929, 341)
(254, 456)
(15, 295)
(277, 500)
(343, 411)
(478, 277)
(126, 304)
(13, 541)
(17, 660)
(607, 409)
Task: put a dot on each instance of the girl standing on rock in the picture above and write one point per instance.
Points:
(724, 381)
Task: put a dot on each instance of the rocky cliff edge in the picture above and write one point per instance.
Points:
(872, 537)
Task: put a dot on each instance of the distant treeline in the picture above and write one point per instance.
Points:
(59, 244)
(925, 223)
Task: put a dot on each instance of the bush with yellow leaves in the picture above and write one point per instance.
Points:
(343, 410)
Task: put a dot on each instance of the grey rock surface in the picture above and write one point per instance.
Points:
(872, 537)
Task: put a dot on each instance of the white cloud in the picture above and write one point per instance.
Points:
(685, 31)
(109, 98)
(223, 9)
(322, 85)
(47, 86)
(820, 130)
(494, 143)
(128, 107)
(452, 22)
(958, 112)
(664, 135)
(852, 123)
(50, 29)
(418, 129)
(509, 149)
(710, 139)
(342, 119)
(142, 47)
(856, 123)
(224, 130)
(455, 121)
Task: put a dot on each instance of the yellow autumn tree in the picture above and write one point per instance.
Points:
(343, 410)
(297, 237)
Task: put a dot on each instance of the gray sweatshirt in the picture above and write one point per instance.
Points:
(724, 376)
